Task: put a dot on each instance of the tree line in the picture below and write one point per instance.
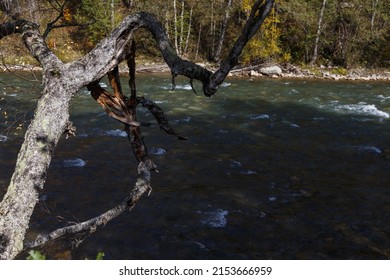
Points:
(346, 33)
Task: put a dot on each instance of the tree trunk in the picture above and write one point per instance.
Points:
(198, 43)
(167, 28)
(212, 32)
(189, 31)
(319, 28)
(181, 28)
(374, 5)
(175, 24)
(223, 31)
(61, 82)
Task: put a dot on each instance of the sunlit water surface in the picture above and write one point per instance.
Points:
(273, 169)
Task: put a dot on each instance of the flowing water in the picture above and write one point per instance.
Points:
(273, 169)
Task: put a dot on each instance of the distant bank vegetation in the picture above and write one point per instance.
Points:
(347, 34)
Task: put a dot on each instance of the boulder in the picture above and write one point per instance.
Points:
(254, 73)
(271, 70)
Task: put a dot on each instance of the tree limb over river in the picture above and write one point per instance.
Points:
(61, 81)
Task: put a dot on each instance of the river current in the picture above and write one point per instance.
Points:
(273, 169)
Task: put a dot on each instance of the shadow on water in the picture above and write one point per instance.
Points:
(257, 180)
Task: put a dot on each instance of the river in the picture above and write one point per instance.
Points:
(273, 169)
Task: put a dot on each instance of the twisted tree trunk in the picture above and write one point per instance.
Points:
(61, 81)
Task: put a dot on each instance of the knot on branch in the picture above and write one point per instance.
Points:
(24, 25)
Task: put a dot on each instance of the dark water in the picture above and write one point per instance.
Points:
(274, 169)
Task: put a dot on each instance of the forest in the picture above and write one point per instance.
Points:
(351, 33)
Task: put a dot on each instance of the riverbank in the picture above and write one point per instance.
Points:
(257, 71)
(290, 71)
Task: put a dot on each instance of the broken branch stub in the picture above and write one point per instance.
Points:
(113, 105)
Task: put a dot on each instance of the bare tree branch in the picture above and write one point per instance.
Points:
(159, 115)
(259, 12)
(53, 24)
(141, 187)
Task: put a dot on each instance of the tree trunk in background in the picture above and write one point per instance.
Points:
(198, 43)
(181, 36)
(175, 25)
(319, 29)
(167, 27)
(223, 31)
(374, 6)
(212, 32)
(189, 31)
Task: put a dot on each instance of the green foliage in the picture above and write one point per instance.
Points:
(35, 255)
(94, 11)
(339, 71)
(353, 33)
(265, 45)
(100, 256)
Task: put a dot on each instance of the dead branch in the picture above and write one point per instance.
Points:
(54, 23)
(131, 64)
(113, 105)
(159, 115)
(141, 187)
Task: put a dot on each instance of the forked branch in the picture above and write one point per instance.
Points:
(63, 80)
